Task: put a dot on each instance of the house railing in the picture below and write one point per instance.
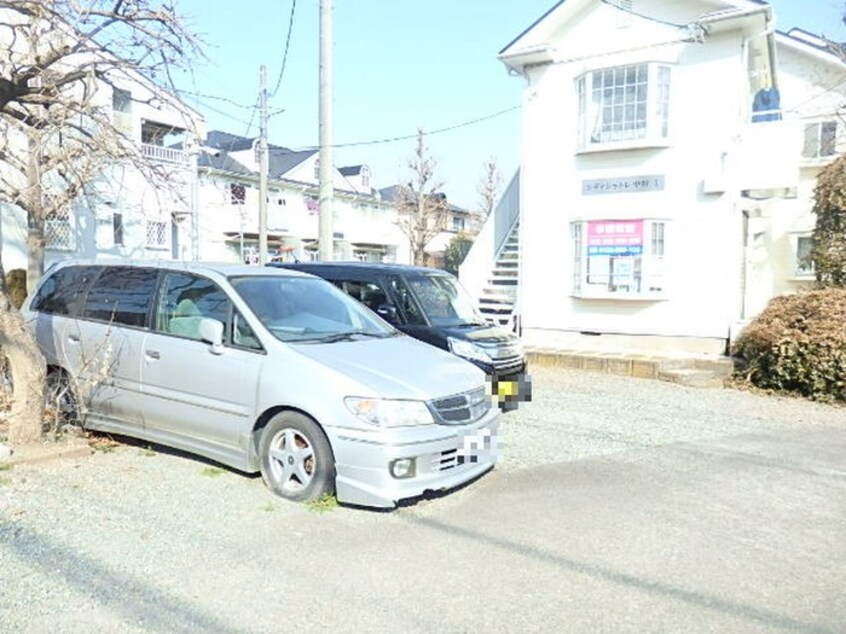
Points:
(506, 212)
(476, 268)
(164, 154)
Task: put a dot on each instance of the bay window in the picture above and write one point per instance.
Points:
(623, 105)
(618, 258)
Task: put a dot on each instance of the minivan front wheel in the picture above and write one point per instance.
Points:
(296, 459)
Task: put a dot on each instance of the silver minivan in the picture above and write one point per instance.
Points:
(263, 370)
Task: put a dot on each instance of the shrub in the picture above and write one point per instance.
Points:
(16, 279)
(798, 345)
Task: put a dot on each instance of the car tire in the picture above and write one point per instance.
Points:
(296, 458)
(60, 404)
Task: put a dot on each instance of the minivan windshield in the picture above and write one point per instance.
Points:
(306, 309)
(445, 301)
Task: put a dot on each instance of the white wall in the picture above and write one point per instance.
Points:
(709, 140)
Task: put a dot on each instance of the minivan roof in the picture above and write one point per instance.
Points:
(222, 268)
(367, 266)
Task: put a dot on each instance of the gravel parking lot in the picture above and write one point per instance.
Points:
(144, 539)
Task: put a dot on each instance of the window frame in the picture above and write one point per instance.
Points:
(647, 269)
(237, 193)
(657, 103)
(796, 270)
(164, 244)
(817, 139)
(59, 231)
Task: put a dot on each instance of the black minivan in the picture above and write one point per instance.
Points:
(430, 305)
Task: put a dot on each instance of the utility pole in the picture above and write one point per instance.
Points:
(263, 167)
(193, 148)
(325, 233)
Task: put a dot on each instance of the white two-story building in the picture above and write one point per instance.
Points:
(669, 156)
(364, 226)
(123, 212)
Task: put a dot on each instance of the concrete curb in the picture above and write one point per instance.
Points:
(38, 453)
(693, 372)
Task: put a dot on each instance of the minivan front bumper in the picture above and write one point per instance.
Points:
(449, 458)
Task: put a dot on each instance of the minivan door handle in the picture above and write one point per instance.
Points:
(153, 354)
(73, 338)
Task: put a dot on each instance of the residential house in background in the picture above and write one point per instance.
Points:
(669, 156)
(458, 221)
(121, 214)
(364, 226)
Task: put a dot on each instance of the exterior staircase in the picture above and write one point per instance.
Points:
(499, 295)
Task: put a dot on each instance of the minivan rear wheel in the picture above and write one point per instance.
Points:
(296, 458)
(60, 406)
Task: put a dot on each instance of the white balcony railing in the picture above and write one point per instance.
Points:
(164, 154)
(768, 154)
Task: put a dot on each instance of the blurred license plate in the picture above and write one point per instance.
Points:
(504, 389)
(476, 445)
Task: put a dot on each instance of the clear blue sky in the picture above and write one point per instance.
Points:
(398, 65)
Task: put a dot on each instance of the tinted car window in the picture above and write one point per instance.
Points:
(407, 305)
(62, 292)
(187, 299)
(122, 295)
(371, 294)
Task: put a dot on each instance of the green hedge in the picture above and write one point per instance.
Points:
(798, 345)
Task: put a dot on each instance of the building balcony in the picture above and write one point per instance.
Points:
(764, 157)
(164, 154)
(768, 154)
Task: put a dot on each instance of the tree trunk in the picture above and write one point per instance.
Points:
(35, 214)
(26, 367)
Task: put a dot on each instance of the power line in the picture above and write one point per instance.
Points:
(406, 137)
(226, 114)
(252, 116)
(207, 96)
(287, 46)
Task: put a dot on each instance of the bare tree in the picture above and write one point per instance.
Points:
(422, 210)
(488, 189)
(62, 61)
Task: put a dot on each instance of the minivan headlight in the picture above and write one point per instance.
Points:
(389, 412)
(468, 350)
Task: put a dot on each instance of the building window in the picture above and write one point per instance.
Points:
(803, 264)
(618, 258)
(578, 257)
(237, 194)
(117, 228)
(58, 232)
(820, 139)
(365, 178)
(121, 101)
(458, 223)
(122, 109)
(623, 104)
(317, 170)
(156, 234)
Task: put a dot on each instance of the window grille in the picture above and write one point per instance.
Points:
(156, 234)
(626, 103)
(58, 232)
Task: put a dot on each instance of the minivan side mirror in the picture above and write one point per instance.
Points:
(388, 313)
(211, 331)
